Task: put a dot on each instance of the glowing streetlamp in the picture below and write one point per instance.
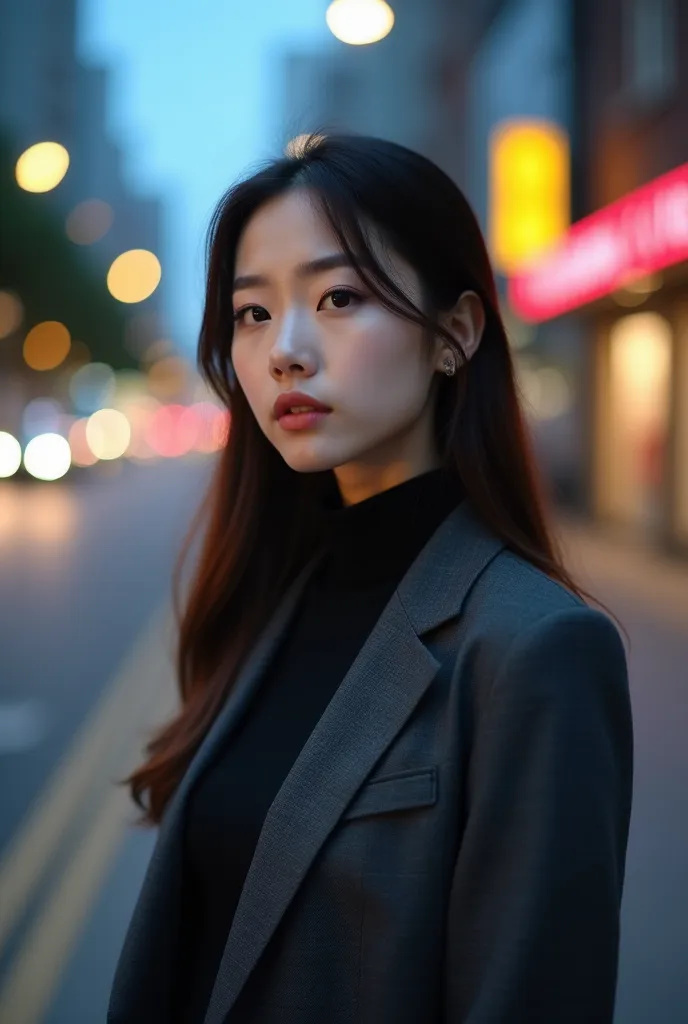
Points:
(359, 22)
(42, 167)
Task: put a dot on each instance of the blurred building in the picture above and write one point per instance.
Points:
(516, 67)
(633, 113)
(622, 270)
(58, 245)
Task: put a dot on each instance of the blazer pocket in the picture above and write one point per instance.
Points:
(399, 792)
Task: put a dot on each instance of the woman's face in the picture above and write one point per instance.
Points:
(314, 328)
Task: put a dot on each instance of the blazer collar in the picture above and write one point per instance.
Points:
(436, 585)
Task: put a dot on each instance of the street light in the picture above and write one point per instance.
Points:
(359, 22)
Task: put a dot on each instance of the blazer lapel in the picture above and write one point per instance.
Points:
(155, 922)
(247, 681)
(383, 686)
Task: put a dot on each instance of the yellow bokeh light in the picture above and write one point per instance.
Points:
(89, 221)
(359, 22)
(42, 167)
(108, 434)
(47, 345)
(529, 207)
(47, 457)
(11, 313)
(134, 275)
(10, 454)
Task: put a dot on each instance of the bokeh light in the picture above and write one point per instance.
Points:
(42, 416)
(134, 275)
(214, 425)
(546, 391)
(172, 431)
(10, 454)
(11, 313)
(42, 167)
(78, 443)
(92, 387)
(47, 345)
(168, 377)
(130, 385)
(139, 411)
(359, 22)
(47, 457)
(89, 221)
(108, 434)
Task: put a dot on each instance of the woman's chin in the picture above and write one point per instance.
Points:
(308, 463)
(308, 459)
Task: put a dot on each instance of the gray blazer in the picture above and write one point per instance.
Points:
(449, 846)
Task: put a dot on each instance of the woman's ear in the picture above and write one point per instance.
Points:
(466, 322)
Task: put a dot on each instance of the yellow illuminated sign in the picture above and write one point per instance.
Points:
(529, 201)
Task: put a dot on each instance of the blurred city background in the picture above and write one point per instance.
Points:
(121, 124)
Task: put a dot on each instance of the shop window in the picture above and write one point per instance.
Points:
(636, 419)
(680, 453)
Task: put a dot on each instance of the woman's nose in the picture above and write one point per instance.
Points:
(291, 355)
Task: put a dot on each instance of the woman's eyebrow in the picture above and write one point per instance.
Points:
(308, 269)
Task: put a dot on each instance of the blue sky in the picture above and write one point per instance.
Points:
(194, 101)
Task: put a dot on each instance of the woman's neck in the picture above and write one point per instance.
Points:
(358, 481)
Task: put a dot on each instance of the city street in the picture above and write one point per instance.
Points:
(86, 669)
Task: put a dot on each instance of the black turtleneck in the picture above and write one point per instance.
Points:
(370, 547)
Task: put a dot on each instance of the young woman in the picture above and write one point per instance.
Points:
(398, 789)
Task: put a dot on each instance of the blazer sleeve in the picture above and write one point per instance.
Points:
(533, 919)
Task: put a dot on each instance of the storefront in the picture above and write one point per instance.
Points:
(624, 270)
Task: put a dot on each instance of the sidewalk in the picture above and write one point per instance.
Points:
(648, 592)
(621, 572)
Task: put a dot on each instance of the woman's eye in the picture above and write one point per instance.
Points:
(341, 297)
(259, 315)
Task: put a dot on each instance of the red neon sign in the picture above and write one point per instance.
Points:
(643, 232)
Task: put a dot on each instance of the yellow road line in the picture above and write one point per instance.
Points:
(38, 966)
(30, 986)
(86, 764)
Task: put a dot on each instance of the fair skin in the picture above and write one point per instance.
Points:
(375, 370)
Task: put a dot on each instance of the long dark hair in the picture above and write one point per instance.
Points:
(250, 554)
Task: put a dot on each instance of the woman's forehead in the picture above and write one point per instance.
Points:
(289, 227)
(291, 230)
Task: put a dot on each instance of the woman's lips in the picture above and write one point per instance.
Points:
(301, 420)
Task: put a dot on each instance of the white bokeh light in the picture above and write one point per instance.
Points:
(47, 457)
(10, 454)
